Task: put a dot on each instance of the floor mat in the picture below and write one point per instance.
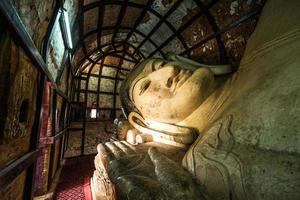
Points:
(74, 183)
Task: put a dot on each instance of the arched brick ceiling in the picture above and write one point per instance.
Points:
(112, 36)
(211, 31)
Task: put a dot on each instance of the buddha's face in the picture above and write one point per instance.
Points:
(171, 92)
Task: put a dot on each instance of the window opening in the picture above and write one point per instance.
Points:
(94, 111)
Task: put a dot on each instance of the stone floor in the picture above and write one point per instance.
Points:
(96, 132)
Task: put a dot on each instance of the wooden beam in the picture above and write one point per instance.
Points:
(106, 53)
(227, 28)
(53, 130)
(62, 94)
(112, 28)
(52, 139)
(110, 2)
(95, 92)
(10, 172)
(35, 136)
(170, 26)
(101, 11)
(105, 108)
(215, 28)
(119, 56)
(75, 129)
(110, 54)
(81, 26)
(119, 20)
(183, 27)
(102, 76)
(115, 87)
(79, 156)
(139, 19)
(162, 19)
(62, 67)
(99, 80)
(49, 32)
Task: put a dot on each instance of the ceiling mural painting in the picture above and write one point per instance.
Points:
(111, 37)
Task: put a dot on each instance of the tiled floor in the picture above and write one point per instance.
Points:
(74, 180)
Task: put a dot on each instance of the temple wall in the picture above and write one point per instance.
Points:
(14, 191)
(36, 15)
(18, 93)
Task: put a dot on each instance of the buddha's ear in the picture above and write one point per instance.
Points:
(162, 132)
(137, 121)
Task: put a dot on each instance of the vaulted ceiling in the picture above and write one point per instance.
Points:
(213, 31)
(112, 36)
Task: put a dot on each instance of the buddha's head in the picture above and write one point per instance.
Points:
(165, 91)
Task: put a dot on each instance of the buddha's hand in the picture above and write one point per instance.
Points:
(175, 181)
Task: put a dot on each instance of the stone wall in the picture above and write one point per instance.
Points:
(19, 79)
(36, 15)
(14, 191)
(18, 93)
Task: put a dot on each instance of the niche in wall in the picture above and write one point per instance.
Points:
(23, 112)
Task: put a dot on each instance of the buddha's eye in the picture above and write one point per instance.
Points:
(158, 65)
(169, 82)
(145, 85)
(162, 64)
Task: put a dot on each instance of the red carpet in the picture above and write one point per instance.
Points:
(74, 183)
(87, 189)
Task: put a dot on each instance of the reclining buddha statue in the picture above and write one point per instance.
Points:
(212, 138)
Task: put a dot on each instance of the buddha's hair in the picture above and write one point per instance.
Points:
(139, 71)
